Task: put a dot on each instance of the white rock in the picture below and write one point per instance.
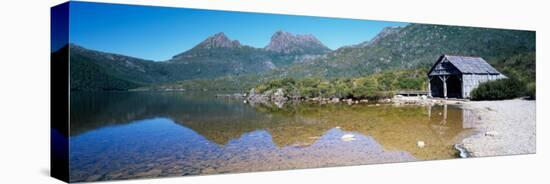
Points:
(348, 137)
(420, 144)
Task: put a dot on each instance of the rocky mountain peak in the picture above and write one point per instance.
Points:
(285, 42)
(219, 40)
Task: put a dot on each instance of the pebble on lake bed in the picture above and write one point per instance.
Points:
(420, 144)
(348, 137)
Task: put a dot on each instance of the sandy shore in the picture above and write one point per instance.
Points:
(505, 127)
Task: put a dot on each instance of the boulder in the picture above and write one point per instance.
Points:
(462, 152)
(348, 101)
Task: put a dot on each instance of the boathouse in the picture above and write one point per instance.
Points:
(457, 76)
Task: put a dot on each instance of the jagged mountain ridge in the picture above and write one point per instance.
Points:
(216, 56)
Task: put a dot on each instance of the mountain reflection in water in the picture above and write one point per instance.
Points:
(143, 134)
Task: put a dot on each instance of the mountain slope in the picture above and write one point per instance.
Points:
(416, 45)
(95, 70)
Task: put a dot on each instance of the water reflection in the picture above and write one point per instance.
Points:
(129, 135)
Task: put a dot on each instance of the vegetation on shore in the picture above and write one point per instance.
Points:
(520, 70)
(521, 81)
(498, 90)
(375, 86)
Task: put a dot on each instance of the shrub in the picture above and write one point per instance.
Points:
(364, 87)
(410, 83)
(499, 90)
(531, 90)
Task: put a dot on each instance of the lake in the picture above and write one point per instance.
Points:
(123, 135)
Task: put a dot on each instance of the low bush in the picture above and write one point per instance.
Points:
(499, 90)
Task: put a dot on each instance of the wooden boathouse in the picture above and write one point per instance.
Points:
(457, 76)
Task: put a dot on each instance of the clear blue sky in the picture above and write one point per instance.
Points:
(158, 33)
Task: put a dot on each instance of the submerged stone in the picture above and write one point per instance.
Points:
(348, 137)
(420, 144)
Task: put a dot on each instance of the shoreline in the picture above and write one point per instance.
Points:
(506, 127)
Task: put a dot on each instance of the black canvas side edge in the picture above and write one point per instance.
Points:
(59, 92)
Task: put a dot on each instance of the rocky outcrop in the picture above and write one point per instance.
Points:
(219, 40)
(276, 96)
(255, 97)
(287, 43)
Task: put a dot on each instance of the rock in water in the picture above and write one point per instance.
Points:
(461, 151)
(348, 137)
(420, 144)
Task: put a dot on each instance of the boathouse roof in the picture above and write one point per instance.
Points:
(463, 64)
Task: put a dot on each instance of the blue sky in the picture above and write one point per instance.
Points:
(158, 33)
